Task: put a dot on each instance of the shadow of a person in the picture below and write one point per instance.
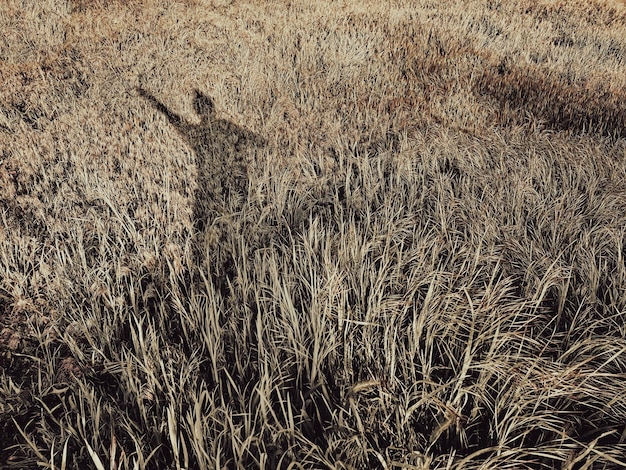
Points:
(222, 150)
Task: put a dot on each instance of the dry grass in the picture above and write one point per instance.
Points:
(312, 234)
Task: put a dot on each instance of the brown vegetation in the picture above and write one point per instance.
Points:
(245, 234)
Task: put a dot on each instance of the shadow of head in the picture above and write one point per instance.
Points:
(203, 105)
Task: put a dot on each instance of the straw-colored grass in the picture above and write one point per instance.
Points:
(348, 235)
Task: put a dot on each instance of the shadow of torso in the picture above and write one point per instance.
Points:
(223, 152)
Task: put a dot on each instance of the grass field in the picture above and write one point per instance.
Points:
(294, 234)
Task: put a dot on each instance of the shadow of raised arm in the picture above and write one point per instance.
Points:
(172, 117)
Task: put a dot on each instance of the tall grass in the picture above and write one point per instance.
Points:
(422, 267)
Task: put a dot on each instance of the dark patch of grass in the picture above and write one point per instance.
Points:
(559, 101)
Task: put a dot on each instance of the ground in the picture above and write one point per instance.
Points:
(252, 234)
